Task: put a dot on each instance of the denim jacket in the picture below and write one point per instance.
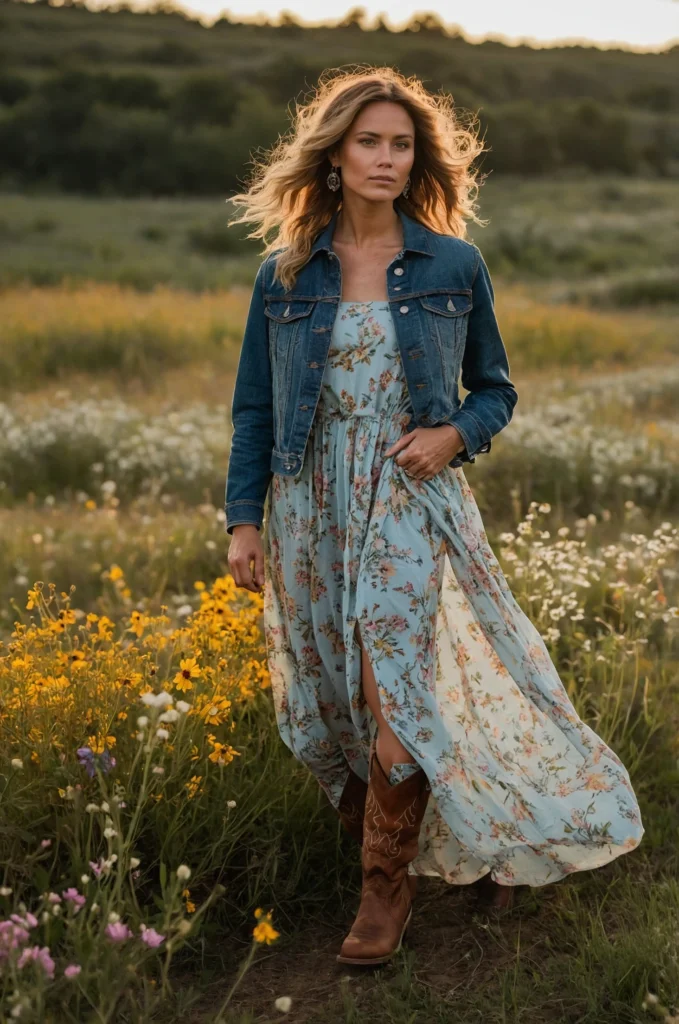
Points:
(441, 300)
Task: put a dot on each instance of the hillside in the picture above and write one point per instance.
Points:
(159, 104)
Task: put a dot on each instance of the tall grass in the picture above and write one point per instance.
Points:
(104, 328)
(107, 329)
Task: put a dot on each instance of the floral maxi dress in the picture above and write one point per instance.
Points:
(520, 786)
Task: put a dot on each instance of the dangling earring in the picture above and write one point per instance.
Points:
(333, 180)
(406, 188)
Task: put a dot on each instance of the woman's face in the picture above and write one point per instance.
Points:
(379, 143)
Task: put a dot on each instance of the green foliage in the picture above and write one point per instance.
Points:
(540, 110)
(210, 98)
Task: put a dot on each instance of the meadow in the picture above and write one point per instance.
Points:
(163, 856)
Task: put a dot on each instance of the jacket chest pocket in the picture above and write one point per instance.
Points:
(446, 317)
(288, 324)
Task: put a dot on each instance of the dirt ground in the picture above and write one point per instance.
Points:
(456, 944)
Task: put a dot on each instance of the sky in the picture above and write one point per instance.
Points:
(642, 24)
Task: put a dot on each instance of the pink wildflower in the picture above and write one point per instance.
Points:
(40, 956)
(151, 937)
(73, 896)
(29, 920)
(11, 935)
(118, 932)
(72, 971)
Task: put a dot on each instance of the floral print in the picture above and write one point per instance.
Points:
(520, 786)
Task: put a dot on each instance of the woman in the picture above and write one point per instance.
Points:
(404, 673)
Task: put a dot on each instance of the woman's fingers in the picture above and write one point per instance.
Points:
(259, 567)
(249, 577)
(244, 550)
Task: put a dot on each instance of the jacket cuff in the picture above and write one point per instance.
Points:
(243, 512)
(472, 434)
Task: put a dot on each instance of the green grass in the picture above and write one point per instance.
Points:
(134, 242)
(555, 234)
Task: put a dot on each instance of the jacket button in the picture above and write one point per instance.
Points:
(314, 366)
(398, 271)
(286, 311)
(403, 309)
(304, 406)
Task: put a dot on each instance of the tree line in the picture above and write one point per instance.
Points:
(189, 111)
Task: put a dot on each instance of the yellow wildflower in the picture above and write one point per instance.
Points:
(78, 660)
(189, 669)
(24, 662)
(193, 786)
(212, 710)
(222, 753)
(264, 931)
(138, 623)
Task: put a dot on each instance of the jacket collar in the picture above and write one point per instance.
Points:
(415, 235)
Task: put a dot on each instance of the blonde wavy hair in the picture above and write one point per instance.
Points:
(288, 190)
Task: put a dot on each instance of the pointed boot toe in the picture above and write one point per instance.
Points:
(372, 940)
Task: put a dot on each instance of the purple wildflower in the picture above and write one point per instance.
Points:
(86, 758)
(89, 760)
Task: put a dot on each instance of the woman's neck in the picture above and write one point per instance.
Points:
(372, 229)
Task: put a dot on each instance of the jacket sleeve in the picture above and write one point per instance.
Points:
(252, 442)
(488, 407)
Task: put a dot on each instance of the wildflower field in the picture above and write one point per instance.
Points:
(163, 856)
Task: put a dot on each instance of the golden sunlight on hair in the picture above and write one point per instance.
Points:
(288, 190)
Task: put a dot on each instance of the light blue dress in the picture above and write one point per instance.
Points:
(520, 786)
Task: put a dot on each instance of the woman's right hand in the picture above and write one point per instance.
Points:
(246, 547)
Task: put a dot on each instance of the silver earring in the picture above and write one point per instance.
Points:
(406, 188)
(333, 180)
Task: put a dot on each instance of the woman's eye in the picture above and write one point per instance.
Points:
(404, 144)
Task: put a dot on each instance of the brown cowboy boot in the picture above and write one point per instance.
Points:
(393, 816)
(492, 895)
(352, 806)
(352, 811)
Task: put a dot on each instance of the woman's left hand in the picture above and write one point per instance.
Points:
(426, 450)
